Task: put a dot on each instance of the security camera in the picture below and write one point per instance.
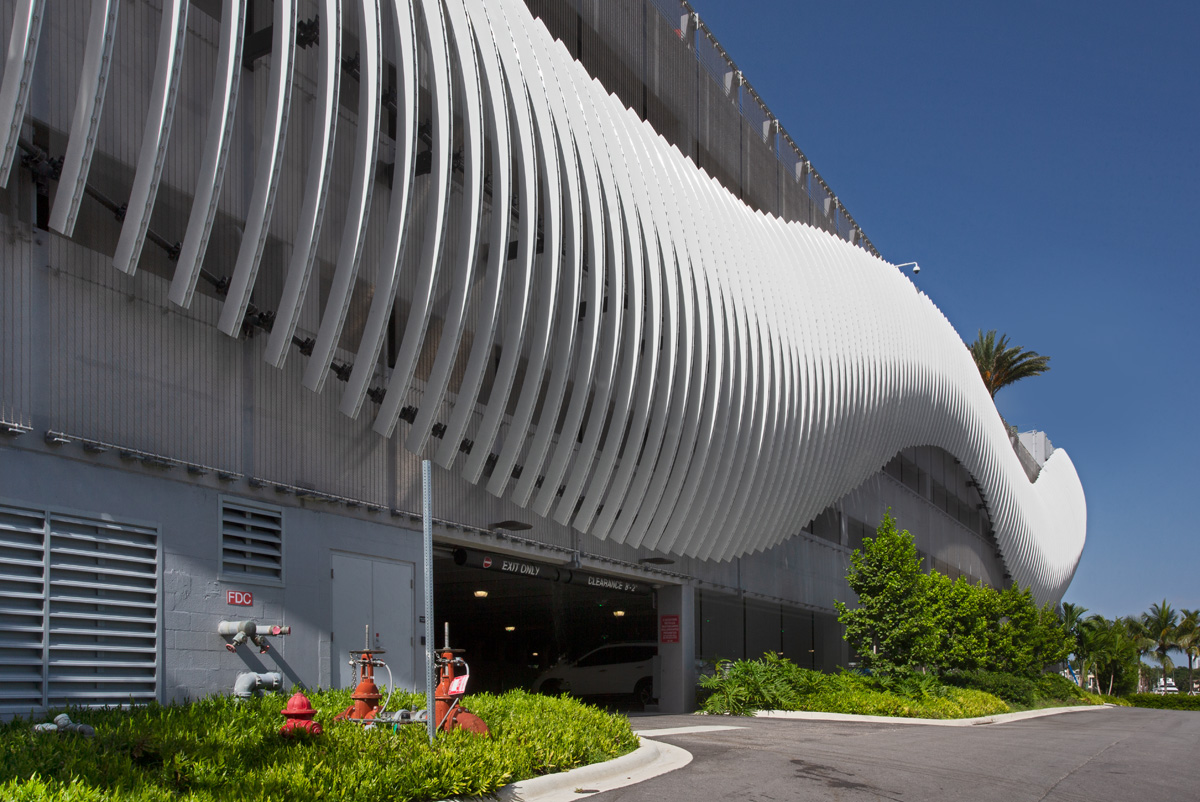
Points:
(916, 269)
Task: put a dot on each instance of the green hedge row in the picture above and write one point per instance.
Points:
(1045, 691)
(742, 687)
(1165, 702)
(218, 749)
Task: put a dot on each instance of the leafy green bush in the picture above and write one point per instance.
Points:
(1045, 691)
(1012, 689)
(774, 683)
(1056, 687)
(907, 620)
(218, 749)
(1164, 702)
(1105, 699)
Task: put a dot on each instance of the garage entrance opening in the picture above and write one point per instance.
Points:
(525, 624)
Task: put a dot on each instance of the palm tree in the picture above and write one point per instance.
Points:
(1001, 364)
(1072, 618)
(1162, 626)
(1142, 643)
(1109, 646)
(1189, 639)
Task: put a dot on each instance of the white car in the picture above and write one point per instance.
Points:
(610, 670)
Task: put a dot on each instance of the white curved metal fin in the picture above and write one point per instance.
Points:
(496, 104)
(362, 186)
(463, 40)
(266, 174)
(598, 355)
(316, 187)
(18, 74)
(639, 233)
(655, 382)
(679, 266)
(562, 231)
(89, 104)
(404, 34)
(696, 244)
(171, 39)
(562, 472)
(440, 89)
(615, 193)
(590, 318)
(221, 115)
(538, 187)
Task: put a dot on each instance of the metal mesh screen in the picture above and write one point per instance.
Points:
(655, 57)
(671, 78)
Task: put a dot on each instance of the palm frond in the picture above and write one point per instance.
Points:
(1001, 364)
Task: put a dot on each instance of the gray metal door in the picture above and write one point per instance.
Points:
(372, 605)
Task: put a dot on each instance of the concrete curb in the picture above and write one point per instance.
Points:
(936, 722)
(650, 759)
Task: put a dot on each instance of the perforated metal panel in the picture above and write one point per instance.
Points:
(79, 620)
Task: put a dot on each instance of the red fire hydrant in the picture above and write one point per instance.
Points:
(448, 715)
(299, 714)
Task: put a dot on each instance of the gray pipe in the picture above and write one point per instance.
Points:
(248, 683)
(62, 723)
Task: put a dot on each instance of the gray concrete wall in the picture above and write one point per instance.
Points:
(195, 662)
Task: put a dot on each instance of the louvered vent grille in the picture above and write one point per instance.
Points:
(78, 611)
(22, 609)
(251, 542)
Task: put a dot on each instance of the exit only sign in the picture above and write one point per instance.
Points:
(242, 598)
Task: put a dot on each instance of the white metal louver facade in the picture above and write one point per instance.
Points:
(79, 611)
(623, 345)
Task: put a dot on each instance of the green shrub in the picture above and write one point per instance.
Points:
(975, 703)
(1105, 699)
(740, 687)
(216, 749)
(1056, 687)
(1045, 691)
(773, 683)
(1012, 689)
(910, 684)
(1164, 702)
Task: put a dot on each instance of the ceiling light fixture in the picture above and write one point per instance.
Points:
(481, 594)
(512, 526)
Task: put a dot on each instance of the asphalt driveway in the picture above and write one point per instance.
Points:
(1095, 755)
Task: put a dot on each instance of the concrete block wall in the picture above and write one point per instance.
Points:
(192, 594)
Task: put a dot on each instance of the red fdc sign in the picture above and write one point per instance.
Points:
(669, 629)
(242, 598)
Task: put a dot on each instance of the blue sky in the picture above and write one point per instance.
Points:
(1042, 163)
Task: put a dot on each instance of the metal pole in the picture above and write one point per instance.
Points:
(427, 520)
